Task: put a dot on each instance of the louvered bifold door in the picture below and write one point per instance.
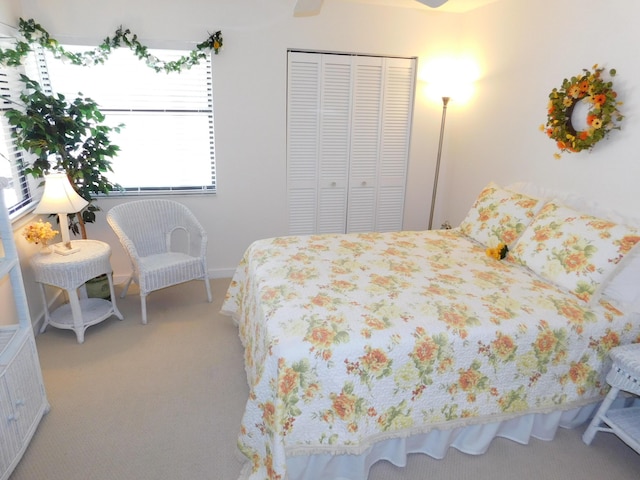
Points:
(318, 120)
(303, 126)
(365, 143)
(395, 136)
(348, 124)
(335, 133)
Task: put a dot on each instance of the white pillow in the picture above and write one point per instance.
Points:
(623, 287)
(574, 250)
(499, 216)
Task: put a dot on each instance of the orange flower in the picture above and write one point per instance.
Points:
(546, 341)
(321, 300)
(576, 262)
(610, 340)
(268, 414)
(628, 242)
(321, 336)
(542, 234)
(375, 360)
(454, 319)
(288, 382)
(584, 86)
(468, 379)
(425, 350)
(578, 373)
(509, 236)
(504, 346)
(599, 100)
(344, 406)
(374, 322)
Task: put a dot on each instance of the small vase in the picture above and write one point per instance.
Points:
(46, 249)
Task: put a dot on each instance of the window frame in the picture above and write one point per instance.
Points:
(211, 187)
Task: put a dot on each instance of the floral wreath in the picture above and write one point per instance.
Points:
(601, 118)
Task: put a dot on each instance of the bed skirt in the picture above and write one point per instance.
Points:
(474, 440)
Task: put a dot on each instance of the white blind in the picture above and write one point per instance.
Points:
(167, 144)
(20, 194)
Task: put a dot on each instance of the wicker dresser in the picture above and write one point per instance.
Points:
(23, 401)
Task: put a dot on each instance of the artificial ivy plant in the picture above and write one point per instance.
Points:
(71, 134)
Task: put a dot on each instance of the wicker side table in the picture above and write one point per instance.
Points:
(624, 422)
(70, 272)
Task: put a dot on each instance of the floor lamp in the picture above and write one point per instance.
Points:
(445, 101)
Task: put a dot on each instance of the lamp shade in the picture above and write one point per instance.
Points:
(59, 196)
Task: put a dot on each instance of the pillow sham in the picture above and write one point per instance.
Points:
(499, 216)
(576, 251)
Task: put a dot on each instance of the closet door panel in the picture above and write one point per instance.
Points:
(397, 112)
(335, 132)
(303, 126)
(365, 142)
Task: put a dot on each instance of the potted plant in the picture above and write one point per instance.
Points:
(69, 136)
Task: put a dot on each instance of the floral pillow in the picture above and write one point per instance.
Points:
(499, 216)
(573, 250)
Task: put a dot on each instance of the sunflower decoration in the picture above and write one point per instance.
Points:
(602, 117)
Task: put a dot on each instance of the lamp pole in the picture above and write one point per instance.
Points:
(445, 101)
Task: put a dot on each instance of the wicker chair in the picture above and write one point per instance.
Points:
(623, 376)
(165, 243)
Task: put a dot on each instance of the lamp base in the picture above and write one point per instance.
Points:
(62, 249)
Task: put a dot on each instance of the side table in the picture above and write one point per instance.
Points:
(623, 376)
(70, 272)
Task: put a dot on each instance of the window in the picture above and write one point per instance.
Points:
(19, 196)
(167, 142)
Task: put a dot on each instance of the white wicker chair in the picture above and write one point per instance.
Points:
(150, 231)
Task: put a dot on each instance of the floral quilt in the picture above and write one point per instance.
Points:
(351, 339)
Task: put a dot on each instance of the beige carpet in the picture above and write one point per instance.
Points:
(164, 401)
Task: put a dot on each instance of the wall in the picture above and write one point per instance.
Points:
(525, 49)
(250, 96)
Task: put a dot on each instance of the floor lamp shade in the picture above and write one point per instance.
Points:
(61, 198)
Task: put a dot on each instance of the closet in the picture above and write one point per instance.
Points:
(348, 132)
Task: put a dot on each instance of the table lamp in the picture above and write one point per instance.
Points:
(60, 197)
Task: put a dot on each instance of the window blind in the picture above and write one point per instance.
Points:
(19, 196)
(167, 142)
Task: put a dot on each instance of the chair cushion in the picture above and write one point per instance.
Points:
(166, 269)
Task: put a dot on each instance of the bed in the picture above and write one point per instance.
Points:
(369, 346)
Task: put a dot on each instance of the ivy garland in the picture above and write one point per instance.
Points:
(33, 33)
(603, 113)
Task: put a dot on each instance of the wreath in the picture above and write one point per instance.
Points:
(601, 118)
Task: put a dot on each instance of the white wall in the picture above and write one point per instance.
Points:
(524, 49)
(250, 95)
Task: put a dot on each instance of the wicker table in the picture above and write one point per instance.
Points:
(623, 376)
(70, 272)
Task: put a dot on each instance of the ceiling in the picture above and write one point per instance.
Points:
(452, 6)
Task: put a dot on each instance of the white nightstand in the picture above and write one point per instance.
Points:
(623, 376)
(70, 272)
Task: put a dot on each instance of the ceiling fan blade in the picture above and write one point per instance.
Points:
(433, 3)
(305, 8)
